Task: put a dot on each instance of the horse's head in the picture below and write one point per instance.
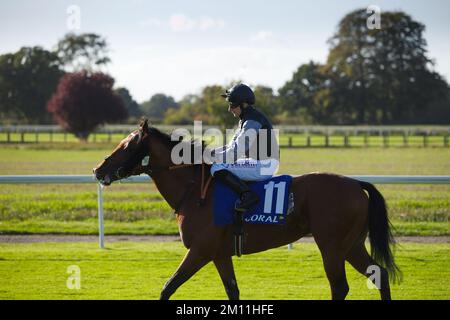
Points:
(130, 157)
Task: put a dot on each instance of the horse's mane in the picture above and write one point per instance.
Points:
(168, 142)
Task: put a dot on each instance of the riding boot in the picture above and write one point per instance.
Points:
(247, 198)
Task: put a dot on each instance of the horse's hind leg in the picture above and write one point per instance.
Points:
(335, 270)
(226, 271)
(360, 259)
(192, 262)
(333, 257)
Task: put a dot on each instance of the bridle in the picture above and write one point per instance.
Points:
(142, 155)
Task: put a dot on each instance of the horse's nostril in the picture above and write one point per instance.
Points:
(97, 175)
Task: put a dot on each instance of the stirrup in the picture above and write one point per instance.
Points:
(241, 208)
(238, 245)
(238, 233)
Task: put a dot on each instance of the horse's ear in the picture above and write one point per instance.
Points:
(144, 125)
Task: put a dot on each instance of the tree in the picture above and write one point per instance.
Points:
(266, 101)
(211, 108)
(438, 112)
(27, 80)
(133, 108)
(385, 73)
(216, 106)
(83, 101)
(190, 110)
(87, 51)
(297, 95)
(156, 108)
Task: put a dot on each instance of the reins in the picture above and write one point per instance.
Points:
(204, 185)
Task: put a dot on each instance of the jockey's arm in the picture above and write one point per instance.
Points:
(238, 147)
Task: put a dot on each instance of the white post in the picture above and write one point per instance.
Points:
(101, 234)
(290, 246)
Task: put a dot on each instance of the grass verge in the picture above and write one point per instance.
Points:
(139, 270)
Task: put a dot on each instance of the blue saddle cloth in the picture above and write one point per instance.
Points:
(272, 206)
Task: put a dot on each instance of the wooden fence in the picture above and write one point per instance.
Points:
(290, 136)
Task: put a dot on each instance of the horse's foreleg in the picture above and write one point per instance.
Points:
(191, 263)
(226, 271)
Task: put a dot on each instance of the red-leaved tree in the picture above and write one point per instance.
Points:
(85, 100)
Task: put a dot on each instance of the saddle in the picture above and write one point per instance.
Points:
(276, 202)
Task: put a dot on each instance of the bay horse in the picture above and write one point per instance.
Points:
(334, 209)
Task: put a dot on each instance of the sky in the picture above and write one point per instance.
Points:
(178, 47)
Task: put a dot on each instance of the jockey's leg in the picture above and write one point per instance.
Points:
(244, 169)
(247, 198)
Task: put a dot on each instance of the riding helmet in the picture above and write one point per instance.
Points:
(239, 94)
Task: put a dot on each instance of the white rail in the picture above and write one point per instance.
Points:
(77, 179)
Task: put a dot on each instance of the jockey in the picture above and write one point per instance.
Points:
(243, 158)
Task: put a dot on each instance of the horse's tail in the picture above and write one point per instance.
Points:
(380, 235)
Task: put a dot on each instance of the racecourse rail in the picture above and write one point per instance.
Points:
(79, 179)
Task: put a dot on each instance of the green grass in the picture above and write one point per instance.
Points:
(139, 270)
(382, 161)
(158, 226)
(414, 209)
(81, 158)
